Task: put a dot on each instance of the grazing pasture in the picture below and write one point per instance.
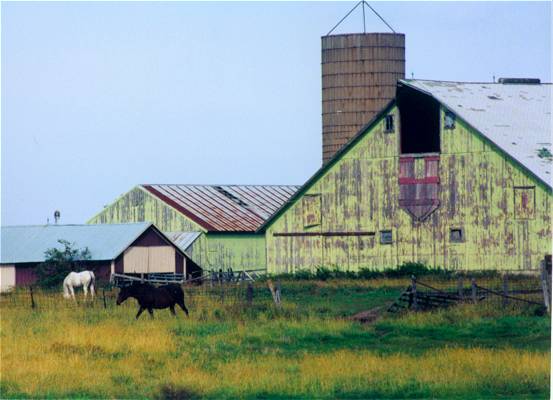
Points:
(309, 347)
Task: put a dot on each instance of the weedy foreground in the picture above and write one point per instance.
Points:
(308, 348)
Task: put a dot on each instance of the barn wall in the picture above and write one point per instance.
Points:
(339, 220)
(150, 259)
(237, 251)
(7, 277)
(25, 274)
(209, 251)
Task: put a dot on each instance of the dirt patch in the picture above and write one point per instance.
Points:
(368, 316)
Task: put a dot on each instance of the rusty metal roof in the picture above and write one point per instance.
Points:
(515, 117)
(224, 208)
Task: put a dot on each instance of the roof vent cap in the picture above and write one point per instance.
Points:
(520, 81)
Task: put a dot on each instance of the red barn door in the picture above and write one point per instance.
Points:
(419, 184)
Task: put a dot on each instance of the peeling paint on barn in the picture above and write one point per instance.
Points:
(226, 218)
(474, 203)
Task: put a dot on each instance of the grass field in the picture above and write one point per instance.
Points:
(307, 349)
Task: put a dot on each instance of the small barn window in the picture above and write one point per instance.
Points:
(390, 128)
(456, 235)
(449, 120)
(311, 207)
(525, 202)
(386, 237)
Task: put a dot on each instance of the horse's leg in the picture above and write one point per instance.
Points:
(85, 290)
(139, 312)
(151, 311)
(172, 308)
(92, 290)
(183, 306)
(72, 292)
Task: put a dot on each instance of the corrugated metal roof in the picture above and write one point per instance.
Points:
(515, 117)
(22, 244)
(225, 208)
(183, 239)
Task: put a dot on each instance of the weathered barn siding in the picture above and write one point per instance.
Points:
(137, 205)
(359, 199)
(240, 251)
(210, 250)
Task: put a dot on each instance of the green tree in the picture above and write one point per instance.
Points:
(59, 263)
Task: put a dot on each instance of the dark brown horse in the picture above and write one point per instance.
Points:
(150, 297)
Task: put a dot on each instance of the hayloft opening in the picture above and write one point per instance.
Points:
(420, 121)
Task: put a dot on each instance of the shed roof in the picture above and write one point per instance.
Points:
(27, 243)
(225, 208)
(183, 239)
(515, 117)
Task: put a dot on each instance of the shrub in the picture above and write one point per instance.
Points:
(59, 263)
(367, 273)
(303, 274)
(323, 273)
(410, 268)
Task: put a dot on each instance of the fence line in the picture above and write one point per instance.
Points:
(413, 298)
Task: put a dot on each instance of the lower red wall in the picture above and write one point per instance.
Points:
(25, 274)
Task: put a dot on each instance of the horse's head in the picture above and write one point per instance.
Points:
(123, 295)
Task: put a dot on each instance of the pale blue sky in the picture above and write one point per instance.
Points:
(99, 97)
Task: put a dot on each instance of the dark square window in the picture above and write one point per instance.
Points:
(386, 237)
(390, 128)
(449, 120)
(456, 235)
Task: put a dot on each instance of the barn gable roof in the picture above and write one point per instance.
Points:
(224, 208)
(514, 117)
(27, 243)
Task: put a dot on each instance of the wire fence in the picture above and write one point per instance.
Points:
(507, 291)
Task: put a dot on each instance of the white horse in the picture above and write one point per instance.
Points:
(86, 279)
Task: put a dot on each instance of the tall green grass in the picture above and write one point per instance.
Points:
(306, 349)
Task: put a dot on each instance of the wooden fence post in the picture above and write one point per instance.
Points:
(505, 290)
(277, 292)
(460, 288)
(249, 294)
(276, 296)
(414, 291)
(33, 305)
(473, 287)
(545, 284)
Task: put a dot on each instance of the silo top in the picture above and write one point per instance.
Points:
(363, 40)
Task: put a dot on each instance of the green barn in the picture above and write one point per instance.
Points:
(449, 174)
(215, 225)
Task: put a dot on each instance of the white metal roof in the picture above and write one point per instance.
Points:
(183, 239)
(515, 117)
(27, 243)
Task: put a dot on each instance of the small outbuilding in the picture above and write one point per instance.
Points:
(134, 248)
